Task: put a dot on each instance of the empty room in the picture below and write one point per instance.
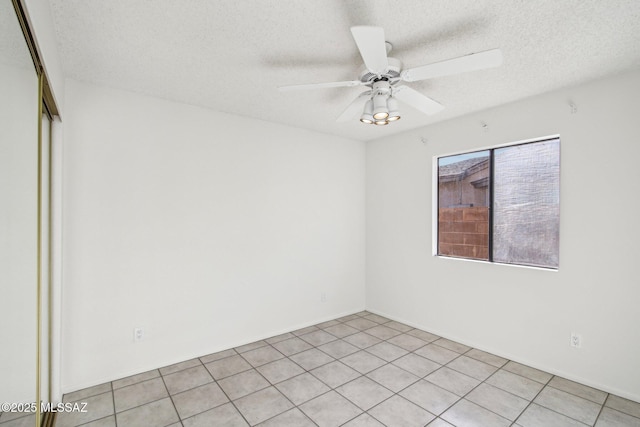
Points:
(319, 213)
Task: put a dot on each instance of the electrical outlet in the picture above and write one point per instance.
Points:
(138, 334)
(576, 340)
(323, 297)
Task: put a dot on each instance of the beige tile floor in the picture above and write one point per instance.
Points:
(361, 370)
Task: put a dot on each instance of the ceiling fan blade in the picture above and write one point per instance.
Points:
(415, 99)
(472, 62)
(354, 108)
(372, 47)
(350, 83)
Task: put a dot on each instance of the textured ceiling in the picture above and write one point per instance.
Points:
(230, 55)
(13, 49)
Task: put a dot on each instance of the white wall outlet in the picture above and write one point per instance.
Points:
(323, 297)
(138, 334)
(576, 340)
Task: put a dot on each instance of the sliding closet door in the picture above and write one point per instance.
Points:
(19, 115)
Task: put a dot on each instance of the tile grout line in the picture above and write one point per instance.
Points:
(334, 360)
(271, 384)
(436, 385)
(386, 363)
(483, 382)
(321, 381)
(547, 384)
(531, 402)
(366, 350)
(226, 395)
(601, 409)
(115, 412)
(169, 394)
(441, 366)
(436, 416)
(160, 375)
(113, 398)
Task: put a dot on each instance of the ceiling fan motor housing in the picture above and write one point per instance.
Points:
(391, 74)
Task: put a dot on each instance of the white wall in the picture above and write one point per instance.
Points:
(207, 230)
(521, 313)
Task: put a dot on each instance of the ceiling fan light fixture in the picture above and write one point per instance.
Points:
(380, 111)
(381, 122)
(392, 105)
(367, 113)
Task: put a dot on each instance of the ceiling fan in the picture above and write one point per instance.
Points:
(383, 74)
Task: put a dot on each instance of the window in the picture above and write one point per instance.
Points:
(502, 204)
